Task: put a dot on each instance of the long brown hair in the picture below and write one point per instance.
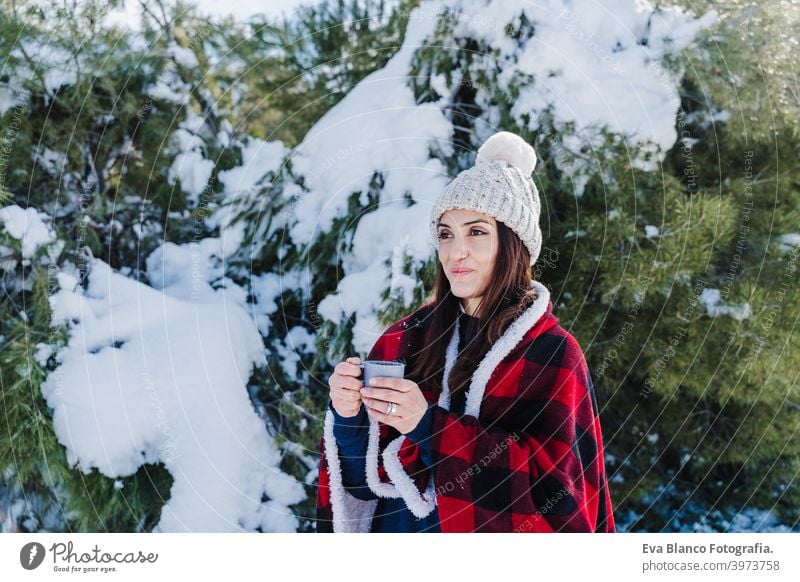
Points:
(507, 295)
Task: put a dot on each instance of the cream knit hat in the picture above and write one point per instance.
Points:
(500, 185)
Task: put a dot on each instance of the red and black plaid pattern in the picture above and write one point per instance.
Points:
(533, 459)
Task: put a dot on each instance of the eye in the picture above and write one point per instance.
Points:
(443, 234)
(477, 232)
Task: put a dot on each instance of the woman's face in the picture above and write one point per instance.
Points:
(468, 245)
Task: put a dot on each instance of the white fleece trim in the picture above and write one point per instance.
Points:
(507, 342)
(402, 485)
(420, 505)
(350, 514)
(449, 361)
(377, 486)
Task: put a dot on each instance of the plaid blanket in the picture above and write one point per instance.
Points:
(526, 456)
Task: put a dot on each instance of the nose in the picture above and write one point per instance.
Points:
(461, 250)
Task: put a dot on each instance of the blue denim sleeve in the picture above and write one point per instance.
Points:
(351, 434)
(421, 435)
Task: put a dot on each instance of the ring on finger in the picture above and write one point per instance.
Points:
(391, 409)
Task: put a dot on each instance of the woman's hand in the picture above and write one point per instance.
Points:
(344, 387)
(409, 402)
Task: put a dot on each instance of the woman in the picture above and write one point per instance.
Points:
(495, 426)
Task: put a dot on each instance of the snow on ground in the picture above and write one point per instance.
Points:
(160, 375)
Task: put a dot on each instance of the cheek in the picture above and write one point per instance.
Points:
(488, 255)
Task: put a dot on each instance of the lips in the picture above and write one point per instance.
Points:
(460, 272)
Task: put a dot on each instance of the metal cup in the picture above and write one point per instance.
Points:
(382, 369)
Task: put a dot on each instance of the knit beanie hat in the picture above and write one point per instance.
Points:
(500, 185)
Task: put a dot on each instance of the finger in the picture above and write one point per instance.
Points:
(355, 360)
(385, 394)
(345, 395)
(380, 405)
(349, 383)
(399, 384)
(381, 417)
(348, 368)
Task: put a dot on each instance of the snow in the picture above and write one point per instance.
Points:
(601, 76)
(712, 299)
(258, 158)
(598, 83)
(745, 520)
(689, 142)
(194, 171)
(165, 90)
(591, 67)
(298, 341)
(165, 380)
(788, 241)
(169, 86)
(401, 284)
(11, 94)
(266, 287)
(57, 77)
(55, 65)
(160, 376)
(575, 233)
(757, 520)
(129, 14)
(43, 353)
(51, 161)
(376, 129)
(183, 56)
(190, 165)
(27, 225)
(183, 270)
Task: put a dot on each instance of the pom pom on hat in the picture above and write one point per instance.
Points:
(511, 148)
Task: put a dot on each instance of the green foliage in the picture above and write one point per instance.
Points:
(297, 70)
(702, 407)
(35, 462)
(698, 410)
(294, 72)
(93, 154)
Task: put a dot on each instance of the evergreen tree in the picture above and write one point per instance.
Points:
(710, 397)
(99, 121)
(263, 147)
(119, 139)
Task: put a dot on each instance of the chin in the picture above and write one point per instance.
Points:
(462, 293)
